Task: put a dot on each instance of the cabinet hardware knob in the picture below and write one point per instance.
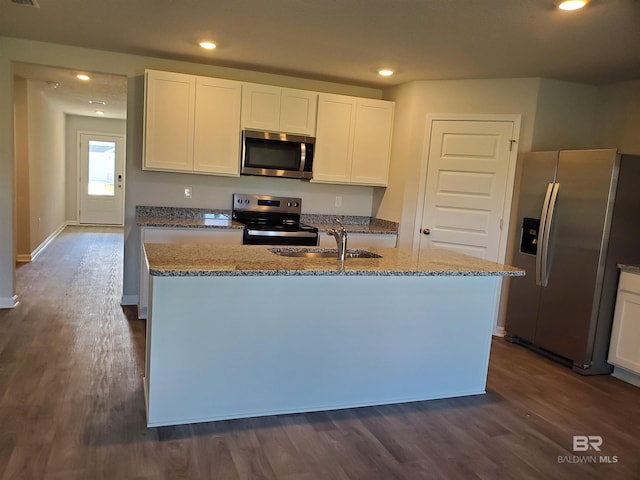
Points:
(426, 231)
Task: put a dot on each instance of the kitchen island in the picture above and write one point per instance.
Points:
(238, 331)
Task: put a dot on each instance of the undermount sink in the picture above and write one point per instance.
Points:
(323, 253)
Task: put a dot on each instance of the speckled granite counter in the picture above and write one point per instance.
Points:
(629, 268)
(353, 224)
(248, 260)
(174, 217)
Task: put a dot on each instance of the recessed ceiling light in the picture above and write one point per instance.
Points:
(99, 112)
(385, 72)
(572, 4)
(83, 77)
(208, 45)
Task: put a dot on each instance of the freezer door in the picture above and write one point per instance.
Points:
(538, 171)
(579, 229)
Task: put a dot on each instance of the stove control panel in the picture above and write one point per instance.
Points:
(243, 202)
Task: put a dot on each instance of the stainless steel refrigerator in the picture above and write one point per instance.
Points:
(579, 217)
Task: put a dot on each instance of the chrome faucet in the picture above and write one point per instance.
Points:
(341, 239)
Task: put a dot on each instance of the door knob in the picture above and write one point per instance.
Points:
(426, 231)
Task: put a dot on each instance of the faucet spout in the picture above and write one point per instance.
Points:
(340, 234)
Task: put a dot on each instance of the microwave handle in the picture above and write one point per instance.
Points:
(303, 155)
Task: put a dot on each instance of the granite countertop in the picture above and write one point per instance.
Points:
(214, 260)
(175, 217)
(184, 218)
(629, 268)
(353, 224)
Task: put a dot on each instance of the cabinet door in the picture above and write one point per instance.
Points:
(624, 350)
(334, 134)
(216, 147)
(372, 142)
(169, 121)
(261, 107)
(298, 112)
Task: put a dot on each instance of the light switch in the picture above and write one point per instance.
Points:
(187, 192)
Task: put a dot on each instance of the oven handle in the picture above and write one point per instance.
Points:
(267, 233)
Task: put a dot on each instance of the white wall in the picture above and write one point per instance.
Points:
(21, 145)
(73, 125)
(7, 255)
(618, 117)
(46, 165)
(565, 116)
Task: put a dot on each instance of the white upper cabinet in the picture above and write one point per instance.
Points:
(216, 144)
(334, 139)
(353, 140)
(278, 109)
(169, 121)
(192, 124)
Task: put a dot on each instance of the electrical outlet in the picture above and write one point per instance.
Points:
(338, 201)
(187, 192)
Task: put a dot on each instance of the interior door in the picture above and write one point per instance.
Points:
(101, 179)
(466, 186)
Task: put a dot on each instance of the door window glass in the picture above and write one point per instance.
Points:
(102, 168)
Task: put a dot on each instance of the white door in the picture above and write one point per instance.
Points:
(101, 179)
(468, 187)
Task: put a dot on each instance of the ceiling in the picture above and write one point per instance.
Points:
(347, 41)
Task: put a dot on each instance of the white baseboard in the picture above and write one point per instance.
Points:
(71, 223)
(9, 302)
(626, 376)
(23, 258)
(44, 244)
(499, 331)
(129, 300)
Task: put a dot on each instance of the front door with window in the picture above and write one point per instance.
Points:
(101, 179)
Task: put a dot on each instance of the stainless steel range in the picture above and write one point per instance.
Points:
(272, 220)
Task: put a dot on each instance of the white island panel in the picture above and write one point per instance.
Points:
(222, 347)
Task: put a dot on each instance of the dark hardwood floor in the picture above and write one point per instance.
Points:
(72, 404)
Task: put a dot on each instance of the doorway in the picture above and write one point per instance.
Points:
(466, 194)
(101, 168)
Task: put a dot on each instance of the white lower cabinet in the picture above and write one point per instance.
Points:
(624, 350)
(216, 236)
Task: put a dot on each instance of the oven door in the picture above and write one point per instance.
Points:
(276, 155)
(267, 236)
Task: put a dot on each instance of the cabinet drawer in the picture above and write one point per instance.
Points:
(629, 282)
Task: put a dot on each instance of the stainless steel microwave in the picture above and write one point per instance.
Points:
(277, 154)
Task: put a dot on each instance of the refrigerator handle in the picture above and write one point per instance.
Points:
(542, 228)
(544, 274)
